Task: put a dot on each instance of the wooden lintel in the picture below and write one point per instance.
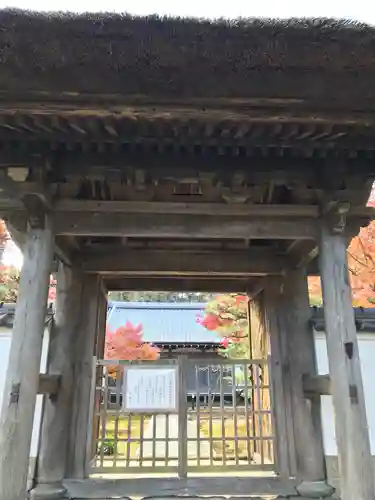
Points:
(184, 226)
(177, 284)
(49, 384)
(220, 209)
(174, 263)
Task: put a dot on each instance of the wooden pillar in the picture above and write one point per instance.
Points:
(280, 380)
(99, 353)
(345, 370)
(260, 398)
(84, 351)
(22, 377)
(300, 347)
(51, 465)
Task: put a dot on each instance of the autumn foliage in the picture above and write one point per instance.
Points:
(361, 263)
(227, 316)
(126, 343)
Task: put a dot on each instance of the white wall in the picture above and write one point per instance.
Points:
(367, 355)
(5, 340)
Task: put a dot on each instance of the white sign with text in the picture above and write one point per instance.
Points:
(150, 389)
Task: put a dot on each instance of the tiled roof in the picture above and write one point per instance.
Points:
(162, 322)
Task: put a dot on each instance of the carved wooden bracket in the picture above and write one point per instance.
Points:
(336, 214)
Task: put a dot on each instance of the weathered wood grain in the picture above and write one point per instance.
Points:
(316, 385)
(183, 226)
(56, 410)
(345, 370)
(179, 263)
(295, 319)
(84, 350)
(22, 377)
(280, 380)
(102, 488)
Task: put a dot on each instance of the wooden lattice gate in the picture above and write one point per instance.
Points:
(181, 416)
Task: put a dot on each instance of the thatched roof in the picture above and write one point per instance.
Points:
(180, 58)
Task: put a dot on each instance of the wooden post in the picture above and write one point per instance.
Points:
(99, 353)
(299, 335)
(56, 410)
(280, 380)
(84, 350)
(344, 364)
(260, 399)
(22, 377)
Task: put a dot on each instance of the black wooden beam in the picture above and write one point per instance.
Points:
(179, 263)
(218, 209)
(184, 226)
(179, 284)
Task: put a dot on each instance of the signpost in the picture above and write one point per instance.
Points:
(150, 389)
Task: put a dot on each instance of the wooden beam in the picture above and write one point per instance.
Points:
(184, 226)
(22, 379)
(178, 284)
(162, 263)
(218, 209)
(172, 487)
(49, 384)
(320, 385)
(345, 369)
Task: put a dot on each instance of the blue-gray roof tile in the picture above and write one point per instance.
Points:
(162, 322)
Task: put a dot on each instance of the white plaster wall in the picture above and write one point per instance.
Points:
(367, 355)
(5, 340)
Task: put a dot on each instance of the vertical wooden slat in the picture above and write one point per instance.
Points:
(222, 410)
(210, 426)
(235, 421)
(247, 411)
(104, 417)
(117, 416)
(182, 417)
(154, 432)
(22, 377)
(166, 438)
(260, 413)
(355, 462)
(141, 438)
(198, 414)
(129, 437)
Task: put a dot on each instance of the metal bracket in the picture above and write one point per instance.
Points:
(15, 393)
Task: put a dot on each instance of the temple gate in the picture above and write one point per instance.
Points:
(182, 155)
